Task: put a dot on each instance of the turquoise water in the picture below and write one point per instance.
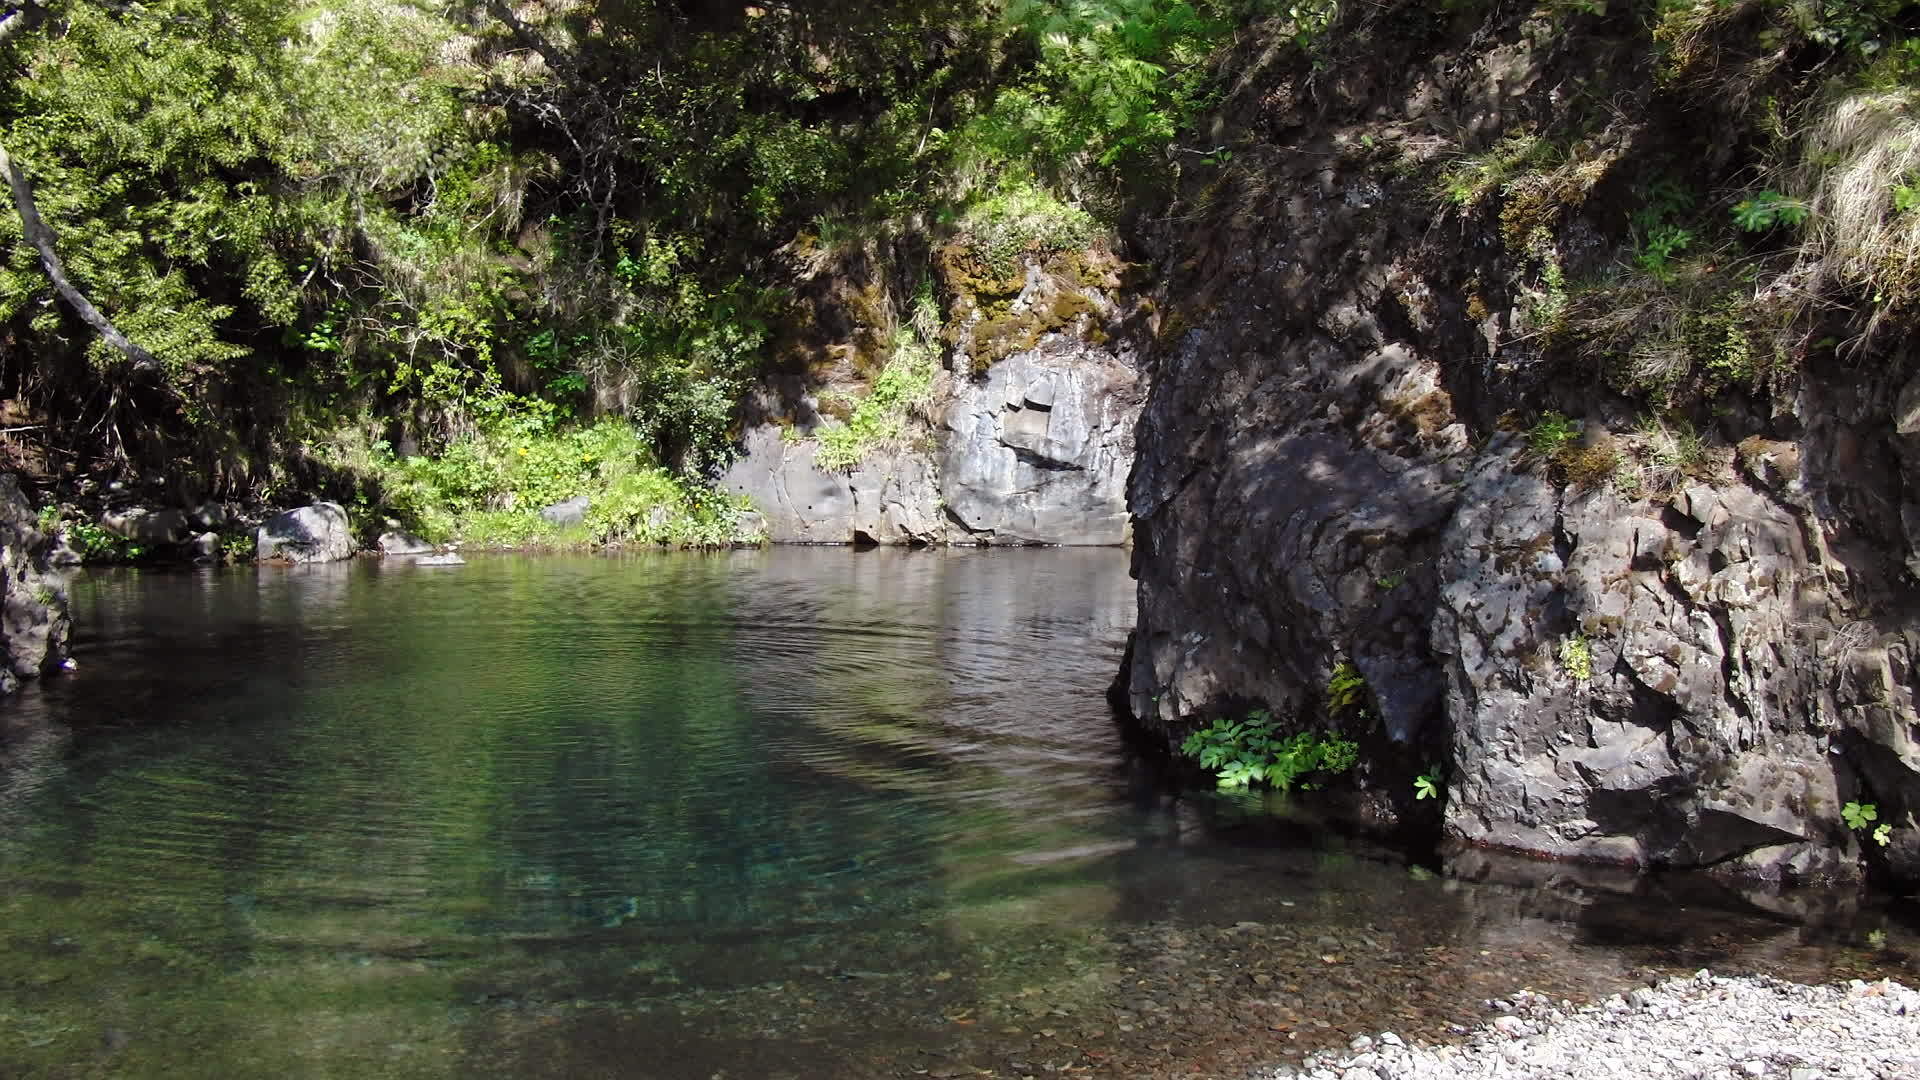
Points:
(788, 812)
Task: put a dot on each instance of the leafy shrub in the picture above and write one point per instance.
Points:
(1346, 689)
(489, 487)
(1246, 752)
(1114, 79)
(1859, 815)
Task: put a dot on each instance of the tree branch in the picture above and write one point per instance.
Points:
(524, 34)
(25, 15)
(42, 239)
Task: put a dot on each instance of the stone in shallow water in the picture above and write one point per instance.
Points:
(317, 533)
(403, 543)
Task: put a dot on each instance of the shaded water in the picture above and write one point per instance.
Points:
(789, 812)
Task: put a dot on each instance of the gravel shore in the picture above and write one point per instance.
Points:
(1701, 1028)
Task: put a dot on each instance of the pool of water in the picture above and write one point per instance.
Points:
(796, 812)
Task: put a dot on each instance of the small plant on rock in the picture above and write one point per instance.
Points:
(1426, 786)
(1859, 815)
(1576, 658)
(1346, 689)
(1553, 433)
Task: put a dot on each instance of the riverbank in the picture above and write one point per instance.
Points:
(1699, 1026)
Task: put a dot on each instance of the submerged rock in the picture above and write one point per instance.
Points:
(317, 533)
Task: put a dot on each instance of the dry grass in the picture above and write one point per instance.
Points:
(1853, 160)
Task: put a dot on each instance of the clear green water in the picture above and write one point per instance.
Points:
(781, 813)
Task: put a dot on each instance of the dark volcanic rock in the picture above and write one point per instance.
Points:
(1698, 670)
(33, 601)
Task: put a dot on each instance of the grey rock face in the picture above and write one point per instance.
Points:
(889, 498)
(33, 601)
(317, 533)
(570, 512)
(1038, 452)
(1035, 453)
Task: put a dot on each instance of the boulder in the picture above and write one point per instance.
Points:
(34, 624)
(160, 528)
(209, 517)
(749, 527)
(570, 512)
(317, 533)
(205, 548)
(402, 543)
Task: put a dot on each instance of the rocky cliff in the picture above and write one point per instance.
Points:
(1024, 436)
(1642, 628)
(33, 601)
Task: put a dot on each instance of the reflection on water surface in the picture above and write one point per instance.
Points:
(784, 813)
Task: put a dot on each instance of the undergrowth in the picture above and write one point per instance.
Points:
(489, 487)
(906, 381)
(1244, 752)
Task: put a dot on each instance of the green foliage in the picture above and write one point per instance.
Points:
(1658, 232)
(1474, 177)
(1246, 752)
(1426, 786)
(1859, 815)
(1883, 834)
(1576, 658)
(1114, 79)
(489, 487)
(1673, 443)
(1768, 209)
(93, 542)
